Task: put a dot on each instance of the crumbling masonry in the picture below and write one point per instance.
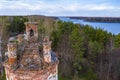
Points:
(25, 59)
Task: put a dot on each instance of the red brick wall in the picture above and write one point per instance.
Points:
(31, 75)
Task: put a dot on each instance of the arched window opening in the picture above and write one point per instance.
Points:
(31, 32)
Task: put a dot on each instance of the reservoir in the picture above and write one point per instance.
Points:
(110, 27)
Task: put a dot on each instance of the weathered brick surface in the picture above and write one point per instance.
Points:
(31, 65)
(31, 75)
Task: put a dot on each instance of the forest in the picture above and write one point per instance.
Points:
(84, 52)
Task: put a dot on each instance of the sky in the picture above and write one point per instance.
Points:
(99, 8)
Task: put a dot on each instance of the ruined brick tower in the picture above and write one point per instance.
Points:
(31, 29)
(12, 53)
(26, 62)
(47, 50)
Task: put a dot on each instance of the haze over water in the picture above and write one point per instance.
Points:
(110, 27)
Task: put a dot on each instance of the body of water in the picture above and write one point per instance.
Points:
(110, 27)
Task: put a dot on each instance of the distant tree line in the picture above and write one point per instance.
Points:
(99, 19)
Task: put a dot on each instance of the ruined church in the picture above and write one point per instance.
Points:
(26, 60)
